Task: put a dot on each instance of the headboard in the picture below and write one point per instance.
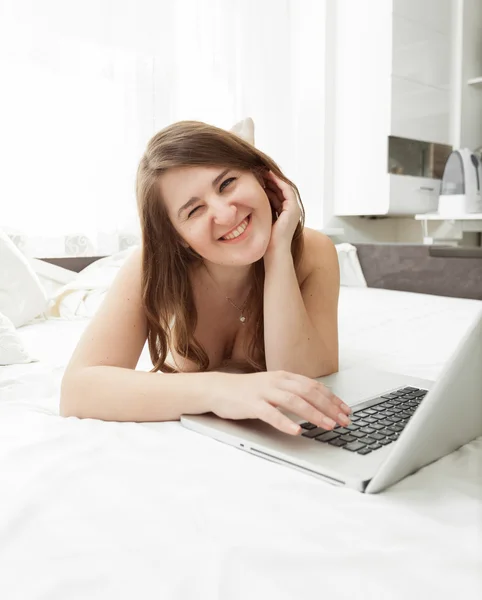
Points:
(439, 270)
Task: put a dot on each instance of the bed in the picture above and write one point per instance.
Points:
(98, 510)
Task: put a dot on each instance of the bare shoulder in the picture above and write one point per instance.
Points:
(319, 254)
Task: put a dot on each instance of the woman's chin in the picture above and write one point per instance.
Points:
(240, 254)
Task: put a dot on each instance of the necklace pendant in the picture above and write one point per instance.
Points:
(242, 318)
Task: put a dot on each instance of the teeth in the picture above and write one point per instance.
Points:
(238, 231)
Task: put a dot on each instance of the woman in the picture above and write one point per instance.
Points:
(227, 279)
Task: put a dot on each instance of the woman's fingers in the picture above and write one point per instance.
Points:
(277, 419)
(320, 397)
(301, 407)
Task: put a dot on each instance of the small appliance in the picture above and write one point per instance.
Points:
(460, 191)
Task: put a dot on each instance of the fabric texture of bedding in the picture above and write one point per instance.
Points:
(99, 510)
(12, 348)
(82, 296)
(22, 296)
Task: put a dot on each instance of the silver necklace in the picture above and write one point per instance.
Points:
(241, 309)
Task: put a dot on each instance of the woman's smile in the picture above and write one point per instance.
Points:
(238, 233)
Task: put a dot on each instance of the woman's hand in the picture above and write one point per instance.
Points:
(283, 199)
(259, 395)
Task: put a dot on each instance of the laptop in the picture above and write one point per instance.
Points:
(398, 423)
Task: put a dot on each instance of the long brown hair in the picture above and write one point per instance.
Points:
(166, 263)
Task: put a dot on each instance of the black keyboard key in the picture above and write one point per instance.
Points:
(368, 440)
(367, 429)
(386, 441)
(410, 389)
(307, 426)
(362, 423)
(370, 420)
(387, 432)
(376, 426)
(348, 438)
(375, 446)
(341, 430)
(409, 397)
(394, 419)
(377, 436)
(313, 433)
(354, 446)
(326, 437)
(370, 411)
(404, 415)
(339, 442)
(351, 427)
(385, 422)
(361, 413)
(364, 451)
(358, 434)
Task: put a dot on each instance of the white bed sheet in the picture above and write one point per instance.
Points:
(99, 510)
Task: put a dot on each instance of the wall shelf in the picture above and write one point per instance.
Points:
(448, 228)
(439, 217)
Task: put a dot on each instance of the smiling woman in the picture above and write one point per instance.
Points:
(227, 278)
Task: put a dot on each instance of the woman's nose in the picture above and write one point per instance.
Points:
(224, 214)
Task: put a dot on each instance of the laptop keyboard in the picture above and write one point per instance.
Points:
(374, 423)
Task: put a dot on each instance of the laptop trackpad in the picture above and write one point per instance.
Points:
(360, 383)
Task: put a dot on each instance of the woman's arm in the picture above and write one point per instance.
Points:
(100, 381)
(121, 394)
(301, 324)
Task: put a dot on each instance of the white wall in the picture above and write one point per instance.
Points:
(471, 96)
(466, 118)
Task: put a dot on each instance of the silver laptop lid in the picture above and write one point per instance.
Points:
(449, 417)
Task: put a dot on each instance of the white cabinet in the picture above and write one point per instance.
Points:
(419, 112)
(392, 78)
(436, 14)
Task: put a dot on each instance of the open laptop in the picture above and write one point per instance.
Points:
(399, 424)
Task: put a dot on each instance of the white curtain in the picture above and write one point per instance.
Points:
(85, 85)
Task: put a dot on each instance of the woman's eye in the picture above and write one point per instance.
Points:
(226, 182)
(193, 211)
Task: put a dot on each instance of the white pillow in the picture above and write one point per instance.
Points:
(22, 296)
(245, 130)
(351, 273)
(12, 349)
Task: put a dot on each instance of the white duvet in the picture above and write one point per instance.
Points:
(100, 511)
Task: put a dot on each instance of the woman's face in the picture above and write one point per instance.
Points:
(223, 214)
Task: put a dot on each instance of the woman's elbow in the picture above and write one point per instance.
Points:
(67, 404)
(328, 367)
